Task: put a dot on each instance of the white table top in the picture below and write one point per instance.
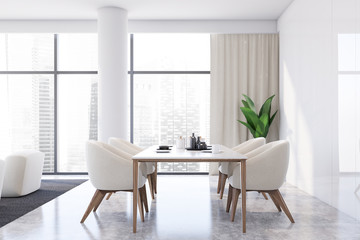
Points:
(188, 155)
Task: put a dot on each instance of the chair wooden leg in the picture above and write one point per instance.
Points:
(219, 183)
(146, 205)
(264, 194)
(155, 179)
(140, 205)
(144, 198)
(222, 188)
(150, 181)
(229, 198)
(91, 205)
(235, 197)
(282, 203)
(275, 201)
(109, 195)
(99, 200)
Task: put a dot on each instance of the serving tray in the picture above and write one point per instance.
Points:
(192, 149)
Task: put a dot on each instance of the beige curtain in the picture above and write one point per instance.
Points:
(241, 64)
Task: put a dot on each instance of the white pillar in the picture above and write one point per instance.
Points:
(113, 117)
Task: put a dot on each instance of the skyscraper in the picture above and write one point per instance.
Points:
(93, 111)
(43, 102)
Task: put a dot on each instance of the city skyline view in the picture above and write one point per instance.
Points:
(181, 105)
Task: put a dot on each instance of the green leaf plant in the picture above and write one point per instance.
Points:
(258, 124)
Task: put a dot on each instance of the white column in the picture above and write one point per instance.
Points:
(113, 85)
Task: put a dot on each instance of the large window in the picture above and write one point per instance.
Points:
(77, 119)
(48, 96)
(349, 102)
(27, 115)
(171, 82)
(77, 99)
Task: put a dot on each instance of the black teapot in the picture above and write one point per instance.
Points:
(201, 146)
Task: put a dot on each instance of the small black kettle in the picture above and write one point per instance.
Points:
(202, 146)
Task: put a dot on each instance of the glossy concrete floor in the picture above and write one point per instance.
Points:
(186, 207)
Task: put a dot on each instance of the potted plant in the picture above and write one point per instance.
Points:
(258, 124)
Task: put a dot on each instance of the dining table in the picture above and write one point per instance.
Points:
(152, 154)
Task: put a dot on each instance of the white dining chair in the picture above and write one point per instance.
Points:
(110, 170)
(266, 169)
(226, 167)
(132, 149)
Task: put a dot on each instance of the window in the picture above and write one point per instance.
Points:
(171, 82)
(172, 52)
(26, 52)
(48, 92)
(27, 119)
(77, 52)
(77, 99)
(77, 119)
(349, 102)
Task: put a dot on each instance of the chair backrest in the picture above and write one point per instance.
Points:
(124, 145)
(260, 149)
(250, 145)
(109, 168)
(131, 149)
(267, 166)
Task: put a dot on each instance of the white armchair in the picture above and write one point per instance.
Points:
(225, 168)
(132, 149)
(110, 170)
(266, 169)
(2, 173)
(23, 173)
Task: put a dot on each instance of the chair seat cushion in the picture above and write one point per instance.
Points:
(150, 167)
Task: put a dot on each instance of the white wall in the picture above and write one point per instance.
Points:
(309, 97)
(136, 26)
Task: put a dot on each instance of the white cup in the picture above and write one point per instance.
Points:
(180, 143)
(215, 148)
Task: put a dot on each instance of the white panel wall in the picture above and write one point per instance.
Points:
(309, 97)
(240, 26)
(136, 26)
(47, 26)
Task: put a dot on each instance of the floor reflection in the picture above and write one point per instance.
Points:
(186, 207)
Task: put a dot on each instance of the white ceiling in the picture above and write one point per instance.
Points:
(145, 9)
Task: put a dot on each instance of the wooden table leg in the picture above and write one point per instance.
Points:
(243, 193)
(135, 193)
(155, 174)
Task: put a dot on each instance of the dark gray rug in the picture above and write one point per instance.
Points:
(13, 208)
